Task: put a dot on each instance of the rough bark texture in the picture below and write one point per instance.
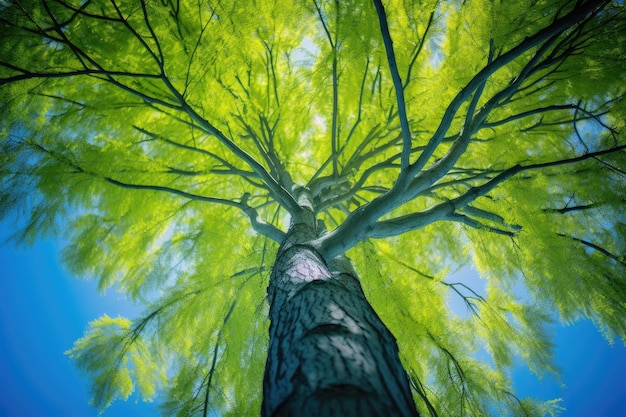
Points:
(329, 352)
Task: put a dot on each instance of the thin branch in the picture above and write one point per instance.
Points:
(136, 35)
(271, 68)
(258, 224)
(170, 190)
(473, 223)
(418, 386)
(231, 168)
(581, 207)
(214, 360)
(335, 80)
(281, 195)
(489, 216)
(324, 25)
(108, 76)
(82, 11)
(161, 58)
(467, 299)
(257, 143)
(193, 52)
(27, 75)
(334, 127)
(360, 105)
(596, 248)
(528, 113)
(418, 50)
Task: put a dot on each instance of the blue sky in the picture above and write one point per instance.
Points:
(43, 310)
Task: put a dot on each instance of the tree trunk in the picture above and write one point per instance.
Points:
(329, 352)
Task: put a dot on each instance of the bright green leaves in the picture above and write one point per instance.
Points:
(512, 329)
(155, 131)
(114, 355)
(214, 334)
(460, 363)
(200, 344)
(567, 253)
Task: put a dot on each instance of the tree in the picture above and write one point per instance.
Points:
(177, 144)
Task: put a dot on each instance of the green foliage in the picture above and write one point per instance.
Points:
(163, 140)
(116, 358)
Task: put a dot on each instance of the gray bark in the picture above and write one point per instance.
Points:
(329, 352)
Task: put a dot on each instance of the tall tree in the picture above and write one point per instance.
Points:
(383, 145)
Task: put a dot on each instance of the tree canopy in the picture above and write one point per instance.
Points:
(164, 140)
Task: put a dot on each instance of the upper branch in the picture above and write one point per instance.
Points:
(27, 75)
(228, 168)
(418, 49)
(159, 59)
(557, 27)
(175, 100)
(335, 79)
(280, 194)
(397, 83)
(361, 223)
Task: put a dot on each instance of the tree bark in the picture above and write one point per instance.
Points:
(329, 352)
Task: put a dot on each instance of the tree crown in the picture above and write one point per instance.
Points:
(169, 140)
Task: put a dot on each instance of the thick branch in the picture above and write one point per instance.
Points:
(471, 124)
(403, 224)
(397, 83)
(556, 27)
(337, 242)
(360, 224)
